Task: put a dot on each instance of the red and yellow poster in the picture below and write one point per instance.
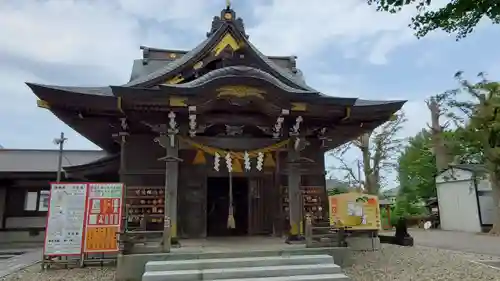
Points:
(103, 220)
(357, 211)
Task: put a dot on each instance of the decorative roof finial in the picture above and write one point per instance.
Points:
(228, 4)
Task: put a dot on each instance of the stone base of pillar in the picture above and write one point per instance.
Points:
(175, 242)
(363, 243)
(295, 239)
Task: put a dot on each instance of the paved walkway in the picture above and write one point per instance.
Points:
(18, 262)
(457, 241)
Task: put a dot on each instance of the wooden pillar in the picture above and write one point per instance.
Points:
(294, 194)
(171, 182)
(172, 186)
(278, 221)
(122, 169)
(122, 135)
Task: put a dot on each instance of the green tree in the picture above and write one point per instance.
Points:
(418, 164)
(480, 125)
(417, 168)
(457, 16)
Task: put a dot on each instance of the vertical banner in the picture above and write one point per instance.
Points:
(65, 217)
(103, 219)
(333, 210)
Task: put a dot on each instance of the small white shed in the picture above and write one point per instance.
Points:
(464, 198)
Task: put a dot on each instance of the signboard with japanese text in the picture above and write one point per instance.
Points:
(65, 219)
(357, 211)
(103, 218)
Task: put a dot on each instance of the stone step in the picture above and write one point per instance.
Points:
(253, 253)
(237, 262)
(4, 257)
(242, 272)
(316, 277)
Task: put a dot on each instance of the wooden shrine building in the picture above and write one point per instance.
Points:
(173, 125)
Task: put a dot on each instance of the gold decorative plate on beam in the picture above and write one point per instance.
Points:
(240, 92)
(177, 102)
(299, 106)
(42, 104)
(175, 80)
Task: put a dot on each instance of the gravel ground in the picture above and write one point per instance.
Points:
(419, 264)
(34, 272)
(390, 263)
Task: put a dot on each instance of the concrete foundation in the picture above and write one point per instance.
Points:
(363, 243)
(132, 267)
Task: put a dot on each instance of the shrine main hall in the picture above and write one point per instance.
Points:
(234, 137)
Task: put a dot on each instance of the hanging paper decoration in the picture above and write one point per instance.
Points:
(192, 121)
(269, 161)
(229, 162)
(279, 123)
(260, 161)
(277, 127)
(217, 161)
(172, 130)
(295, 129)
(199, 159)
(296, 143)
(322, 137)
(237, 166)
(246, 158)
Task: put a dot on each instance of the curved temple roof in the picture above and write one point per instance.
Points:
(241, 71)
(289, 80)
(280, 72)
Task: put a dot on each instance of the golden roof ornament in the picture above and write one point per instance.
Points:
(228, 15)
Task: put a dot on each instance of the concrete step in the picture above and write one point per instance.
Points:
(242, 272)
(4, 257)
(253, 253)
(237, 262)
(316, 277)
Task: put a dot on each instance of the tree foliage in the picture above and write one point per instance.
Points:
(417, 168)
(379, 150)
(457, 16)
(418, 164)
(480, 125)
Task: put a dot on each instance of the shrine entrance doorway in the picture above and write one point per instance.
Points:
(218, 206)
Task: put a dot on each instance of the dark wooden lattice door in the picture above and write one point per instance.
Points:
(259, 193)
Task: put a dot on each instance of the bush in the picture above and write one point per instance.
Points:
(412, 211)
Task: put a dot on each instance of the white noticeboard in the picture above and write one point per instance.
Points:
(65, 219)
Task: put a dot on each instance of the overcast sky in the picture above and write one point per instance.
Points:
(344, 48)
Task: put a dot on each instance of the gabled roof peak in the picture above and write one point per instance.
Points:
(227, 16)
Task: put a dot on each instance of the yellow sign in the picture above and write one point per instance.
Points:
(101, 239)
(357, 211)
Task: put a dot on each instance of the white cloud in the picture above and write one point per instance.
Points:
(101, 38)
(69, 32)
(303, 28)
(192, 16)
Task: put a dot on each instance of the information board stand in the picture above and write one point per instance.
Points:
(103, 219)
(65, 221)
(82, 219)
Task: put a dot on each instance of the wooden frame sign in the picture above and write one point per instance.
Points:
(83, 218)
(103, 219)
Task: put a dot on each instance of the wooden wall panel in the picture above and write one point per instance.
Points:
(191, 195)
